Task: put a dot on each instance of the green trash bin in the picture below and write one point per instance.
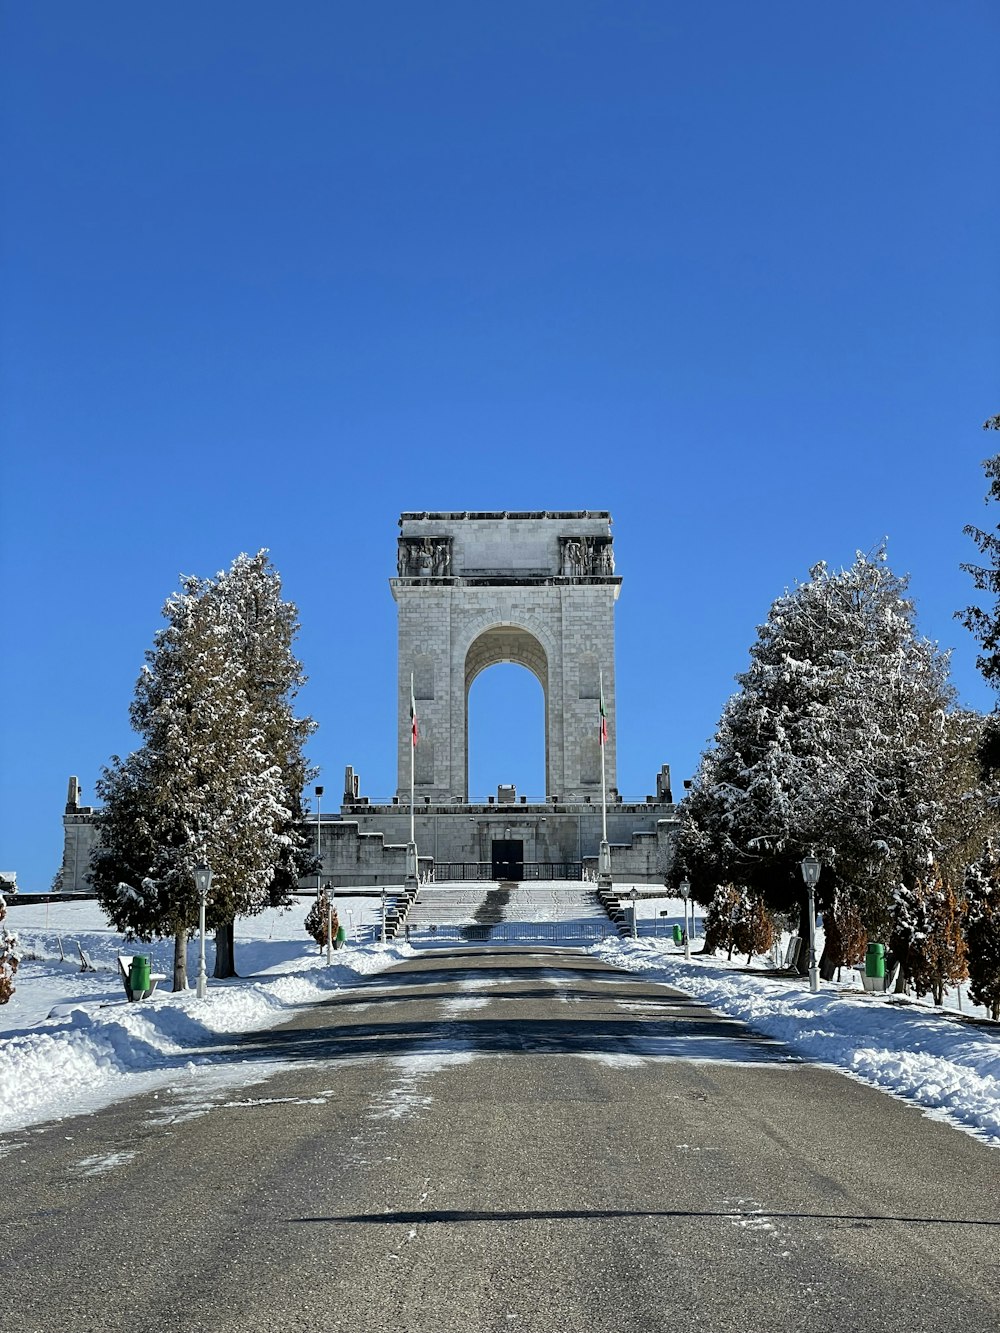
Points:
(678, 935)
(341, 937)
(875, 960)
(138, 977)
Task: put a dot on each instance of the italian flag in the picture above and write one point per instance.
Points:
(604, 716)
(413, 715)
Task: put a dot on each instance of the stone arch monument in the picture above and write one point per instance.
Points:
(473, 589)
(537, 589)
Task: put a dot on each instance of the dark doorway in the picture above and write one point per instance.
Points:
(508, 858)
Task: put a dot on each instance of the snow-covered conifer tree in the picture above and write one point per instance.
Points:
(824, 748)
(268, 854)
(220, 774)
(928, 938)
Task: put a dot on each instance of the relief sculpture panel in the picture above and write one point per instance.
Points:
(585, 557)
(424, 558)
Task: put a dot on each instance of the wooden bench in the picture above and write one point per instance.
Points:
(125, 968)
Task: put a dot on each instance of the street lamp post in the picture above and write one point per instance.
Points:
(412, 877)
(634, 895)
(319, 878)
(685, 888)
(811, 868)
(319, 848)
(203, 882)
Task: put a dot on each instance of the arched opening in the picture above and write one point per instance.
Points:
(506, 730)
(506, 714)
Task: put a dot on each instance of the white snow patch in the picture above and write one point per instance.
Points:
(462, 1003)
(276, 1101)
(405, 1098)
(614, 1059)
(101, 1165)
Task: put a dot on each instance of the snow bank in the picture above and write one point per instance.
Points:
(948, 1066)
(86, 1055)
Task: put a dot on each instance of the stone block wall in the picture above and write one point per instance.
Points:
(643, 859)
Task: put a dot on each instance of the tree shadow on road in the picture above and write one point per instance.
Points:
(453, 1215)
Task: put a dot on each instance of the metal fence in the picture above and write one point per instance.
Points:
(481, 872)
(512, 932)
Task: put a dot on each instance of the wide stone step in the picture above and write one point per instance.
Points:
(493, 904)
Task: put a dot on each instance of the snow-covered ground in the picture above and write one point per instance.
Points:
(70, 1043)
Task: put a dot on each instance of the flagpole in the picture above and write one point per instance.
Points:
(413, 754)
(604, 856)
(604, 790)
(412, 864)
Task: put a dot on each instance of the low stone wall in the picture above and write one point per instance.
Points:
(641, 861)
(350, 858)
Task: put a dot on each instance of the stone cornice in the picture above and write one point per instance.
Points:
(440, 516)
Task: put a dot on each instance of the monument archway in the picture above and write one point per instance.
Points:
(474, 589)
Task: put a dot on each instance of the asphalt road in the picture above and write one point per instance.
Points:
(517, 1140)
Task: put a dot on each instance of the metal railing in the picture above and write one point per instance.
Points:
(512, 932)
(487, 799)
(480, 872)
(366, 933)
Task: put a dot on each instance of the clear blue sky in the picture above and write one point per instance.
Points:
(274, 273)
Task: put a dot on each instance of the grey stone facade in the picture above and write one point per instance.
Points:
(456, 840)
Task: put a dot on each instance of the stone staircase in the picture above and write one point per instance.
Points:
(611, 902)
(451, 907)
